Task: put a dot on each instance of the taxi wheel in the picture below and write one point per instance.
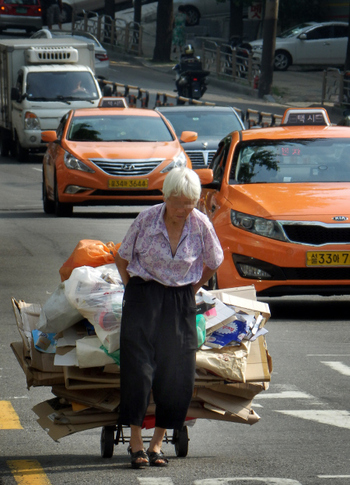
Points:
(48, 205)
(61, 209)
(5, 144)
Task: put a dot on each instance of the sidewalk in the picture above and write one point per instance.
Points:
(298, 87)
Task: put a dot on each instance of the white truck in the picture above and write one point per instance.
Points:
(40, 80)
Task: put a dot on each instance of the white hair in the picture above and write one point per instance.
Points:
(182, 181)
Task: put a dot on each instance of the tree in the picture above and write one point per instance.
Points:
(268, 53)
(347, 59)
(164, 31)
(109, 20)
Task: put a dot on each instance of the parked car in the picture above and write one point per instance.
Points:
(114, 155)
(20, 14)
(279, 202)
(309, 43)
(211, 123)
(89, 6)
(196, 9)
(101, 56)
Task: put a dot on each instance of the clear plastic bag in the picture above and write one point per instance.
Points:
(97, 293)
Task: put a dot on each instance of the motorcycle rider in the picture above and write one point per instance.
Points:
(188, 62)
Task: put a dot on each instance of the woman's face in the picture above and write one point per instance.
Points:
(178, 207)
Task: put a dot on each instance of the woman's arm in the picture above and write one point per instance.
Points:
(122, 264)
(206, 275)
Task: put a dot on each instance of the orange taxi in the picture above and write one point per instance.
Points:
(280, 204)
(109, 155)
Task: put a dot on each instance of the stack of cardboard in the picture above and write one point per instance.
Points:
(226, 382)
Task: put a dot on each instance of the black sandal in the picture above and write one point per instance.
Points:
(157, 459)
(136, 456)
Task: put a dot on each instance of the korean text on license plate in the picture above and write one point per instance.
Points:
(328, 258)
(128, 184)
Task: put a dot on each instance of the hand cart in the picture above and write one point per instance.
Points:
(179, 439)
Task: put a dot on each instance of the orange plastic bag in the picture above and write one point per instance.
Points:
(89, 252)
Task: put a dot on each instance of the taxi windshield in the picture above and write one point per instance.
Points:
(119, 128)
(290, 161)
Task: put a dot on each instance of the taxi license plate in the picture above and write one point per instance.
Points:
(328, 258)
(128, 184)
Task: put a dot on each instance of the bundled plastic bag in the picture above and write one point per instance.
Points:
(97, 293)
(58, 313)
(89, 252)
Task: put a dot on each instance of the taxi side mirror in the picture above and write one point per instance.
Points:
(205, 175)
(188, 136)
(48, 136)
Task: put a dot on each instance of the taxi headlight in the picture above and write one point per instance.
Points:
(75, 164)
(178, 162)
(31, 121)
(258, 225)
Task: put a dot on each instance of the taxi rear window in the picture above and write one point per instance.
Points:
(118, 128)
(288, 161)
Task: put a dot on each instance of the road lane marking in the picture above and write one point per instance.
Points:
(38, 169)
(155, 481)
(338, 418)
(8, 417)
(28, 472)
(284, 395)
(265, 480)
(339, 367)
(333, 476)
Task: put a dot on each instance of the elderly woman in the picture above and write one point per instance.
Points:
(168, 253)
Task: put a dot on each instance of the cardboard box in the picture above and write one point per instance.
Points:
(27, 318)
(251, 306)
(196, 410)
(48, 410)
(229, 362)
(35, 377)
(247, 390)
(94, 378)
(232, 404)
(104, 399)
(248, 292)
(259, 362)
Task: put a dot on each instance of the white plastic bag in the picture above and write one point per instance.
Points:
(97, 293)
(57, 313)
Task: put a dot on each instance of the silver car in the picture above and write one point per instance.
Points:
(309, 43)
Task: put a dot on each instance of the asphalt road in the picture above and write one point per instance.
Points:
(301, 438)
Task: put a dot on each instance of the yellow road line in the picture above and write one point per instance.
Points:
(8, 417)
(28, 472)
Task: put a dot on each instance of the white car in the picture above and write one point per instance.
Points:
(101, 56)
(195, 9)
(309, 43)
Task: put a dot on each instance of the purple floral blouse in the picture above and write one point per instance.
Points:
(147, 248)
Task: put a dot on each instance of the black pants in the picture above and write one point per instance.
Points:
(158, 345)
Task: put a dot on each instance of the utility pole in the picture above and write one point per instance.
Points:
(268, 53)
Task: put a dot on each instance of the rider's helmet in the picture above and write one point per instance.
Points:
(188, 50)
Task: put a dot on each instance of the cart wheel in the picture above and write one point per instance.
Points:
(180, 440)
(107, 441)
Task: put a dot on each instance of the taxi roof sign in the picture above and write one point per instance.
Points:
(112, 102)
(306, 116)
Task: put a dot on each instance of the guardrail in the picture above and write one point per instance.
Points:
(230, 62)
(336, 87)
(139, 98)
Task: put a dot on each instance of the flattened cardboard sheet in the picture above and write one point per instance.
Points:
(104, 399)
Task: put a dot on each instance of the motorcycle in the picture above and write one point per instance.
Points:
(191, 79)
